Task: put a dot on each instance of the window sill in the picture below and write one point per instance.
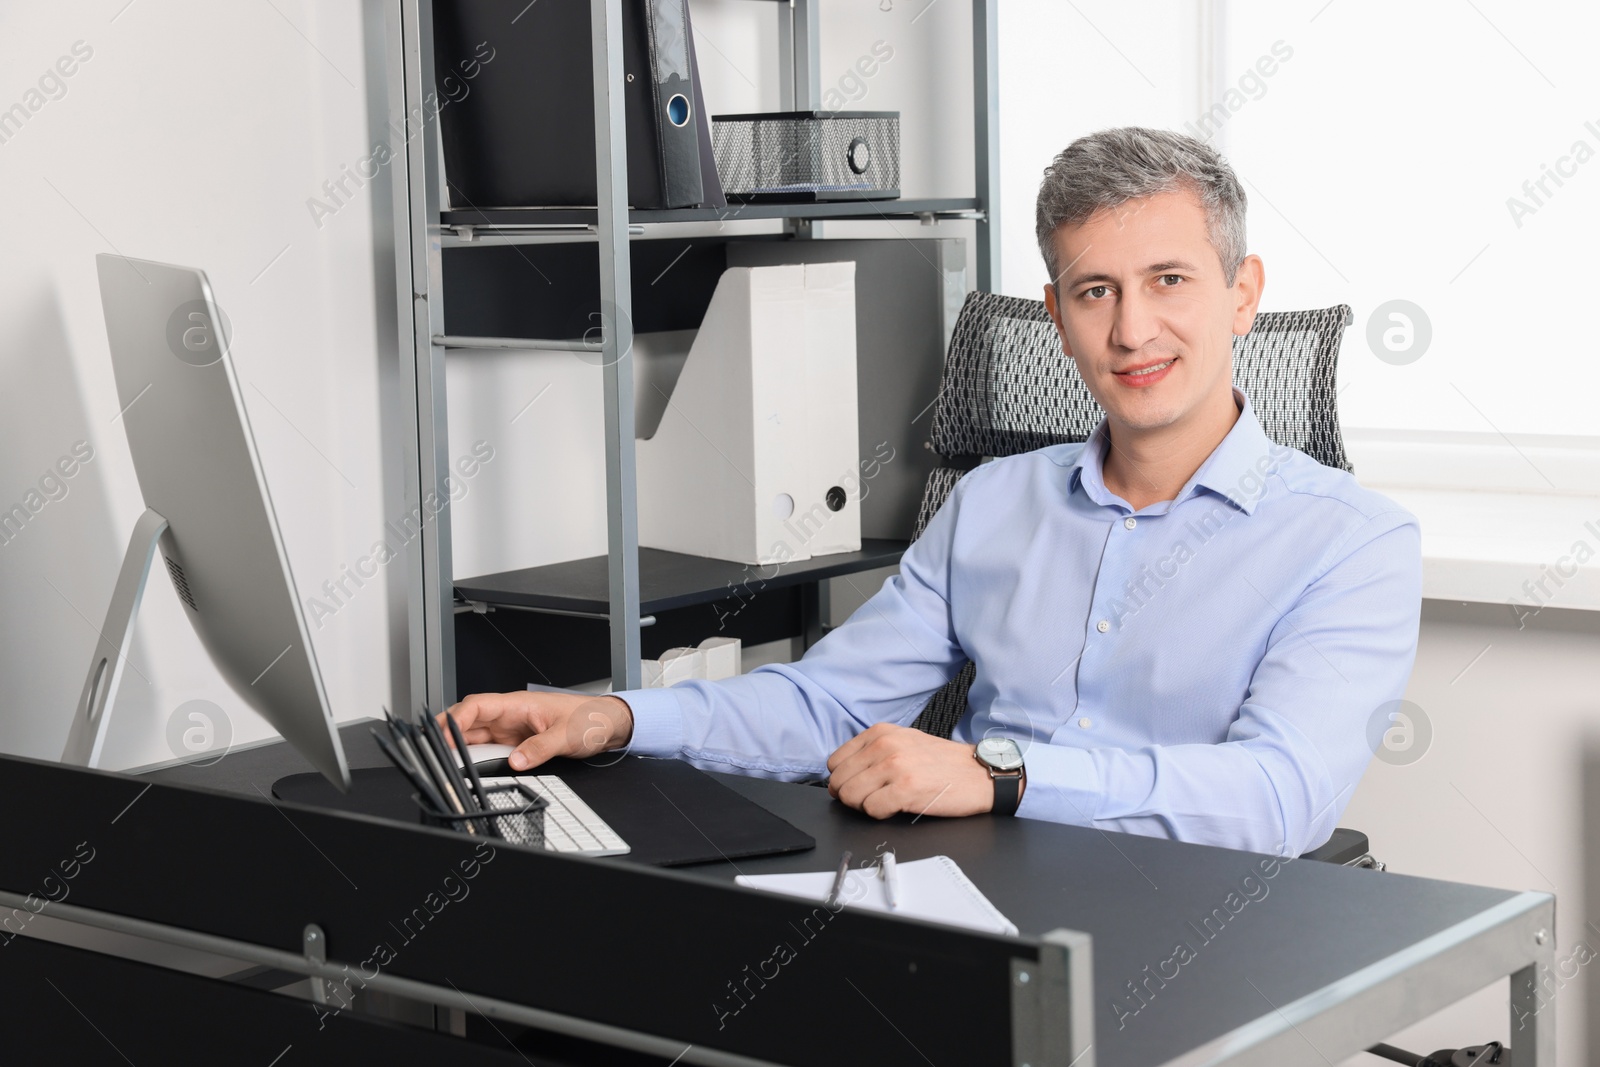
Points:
(1504, 521)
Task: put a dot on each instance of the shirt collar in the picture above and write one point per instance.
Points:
(1234, 471)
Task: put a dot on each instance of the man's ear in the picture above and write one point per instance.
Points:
(1247, 286)
(1054, 309)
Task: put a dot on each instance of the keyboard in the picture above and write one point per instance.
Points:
(570, 825)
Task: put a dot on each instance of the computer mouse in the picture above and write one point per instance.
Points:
(490, 760)
(486, 752)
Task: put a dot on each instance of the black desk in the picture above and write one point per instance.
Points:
(1309, 965)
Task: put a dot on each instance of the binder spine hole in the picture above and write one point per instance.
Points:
(678, 109)
(835, 498)
(783, 506)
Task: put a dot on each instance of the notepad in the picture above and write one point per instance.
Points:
(934, 889)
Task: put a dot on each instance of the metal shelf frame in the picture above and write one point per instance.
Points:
(420, 233)
(578, 218)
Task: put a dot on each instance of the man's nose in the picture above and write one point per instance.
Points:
(1135, 324)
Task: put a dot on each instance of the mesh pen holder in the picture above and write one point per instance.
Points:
(517, 815)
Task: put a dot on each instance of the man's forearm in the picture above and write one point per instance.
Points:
(1235, 795)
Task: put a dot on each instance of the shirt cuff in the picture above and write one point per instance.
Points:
(1061, 785)
(657, 722)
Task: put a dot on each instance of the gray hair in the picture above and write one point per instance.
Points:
(1111, 167)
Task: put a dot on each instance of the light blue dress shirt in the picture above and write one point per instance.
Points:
(1205, 668)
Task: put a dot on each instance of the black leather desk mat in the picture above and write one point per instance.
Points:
(670, 813)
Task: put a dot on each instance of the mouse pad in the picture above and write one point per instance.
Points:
(669, 812)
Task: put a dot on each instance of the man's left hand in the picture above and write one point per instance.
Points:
(887, 769)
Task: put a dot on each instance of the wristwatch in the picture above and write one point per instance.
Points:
(1002, 758)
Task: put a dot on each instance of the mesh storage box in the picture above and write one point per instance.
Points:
(808, 155)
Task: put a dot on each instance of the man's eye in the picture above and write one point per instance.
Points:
(1095, 292)
(1170, 280)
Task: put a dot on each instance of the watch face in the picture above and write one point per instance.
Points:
(1001, 753)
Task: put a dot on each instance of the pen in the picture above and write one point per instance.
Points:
(838, 880)
(400, 734)
(420, 784)
(452, 766)
(449, 759)
(441, 776)
(401, 740)
(472, 770)
(406, 741)
(415, 745)
(891, 879)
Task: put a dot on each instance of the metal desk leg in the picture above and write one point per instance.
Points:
(1533, 1014)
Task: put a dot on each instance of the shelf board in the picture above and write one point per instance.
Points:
(667, 580)
(837, 209)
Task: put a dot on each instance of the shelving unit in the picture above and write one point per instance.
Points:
(627, 586)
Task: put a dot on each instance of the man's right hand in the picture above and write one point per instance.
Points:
(544, 725)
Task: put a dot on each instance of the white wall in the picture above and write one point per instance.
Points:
(193, 134)
(1496, 797)
(1067, 70)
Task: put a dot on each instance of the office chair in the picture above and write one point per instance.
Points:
(1007, 388)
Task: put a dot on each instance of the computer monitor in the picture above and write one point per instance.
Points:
(207, 509)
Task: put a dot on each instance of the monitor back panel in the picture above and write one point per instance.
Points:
(198, 467)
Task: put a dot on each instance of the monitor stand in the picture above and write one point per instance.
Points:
(87, 738)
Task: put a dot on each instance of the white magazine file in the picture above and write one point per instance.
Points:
(756, 458)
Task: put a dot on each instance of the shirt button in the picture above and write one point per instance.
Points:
(1130, 522)
(1102, 626)
(1085, 723)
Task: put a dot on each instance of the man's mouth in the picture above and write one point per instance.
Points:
(1146, 372)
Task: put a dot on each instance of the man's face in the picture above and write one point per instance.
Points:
(1145, 311)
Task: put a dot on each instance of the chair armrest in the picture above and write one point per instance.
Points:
(1344, 846)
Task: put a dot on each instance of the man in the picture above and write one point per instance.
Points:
(1183, 627)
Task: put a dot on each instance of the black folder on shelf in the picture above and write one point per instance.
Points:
(522, 132)
(670, 813)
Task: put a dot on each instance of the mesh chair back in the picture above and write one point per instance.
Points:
(1008, 388)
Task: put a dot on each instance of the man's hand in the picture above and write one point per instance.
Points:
(544, 725)
(888, 769)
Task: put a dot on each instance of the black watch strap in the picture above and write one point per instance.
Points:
(1007, 792)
